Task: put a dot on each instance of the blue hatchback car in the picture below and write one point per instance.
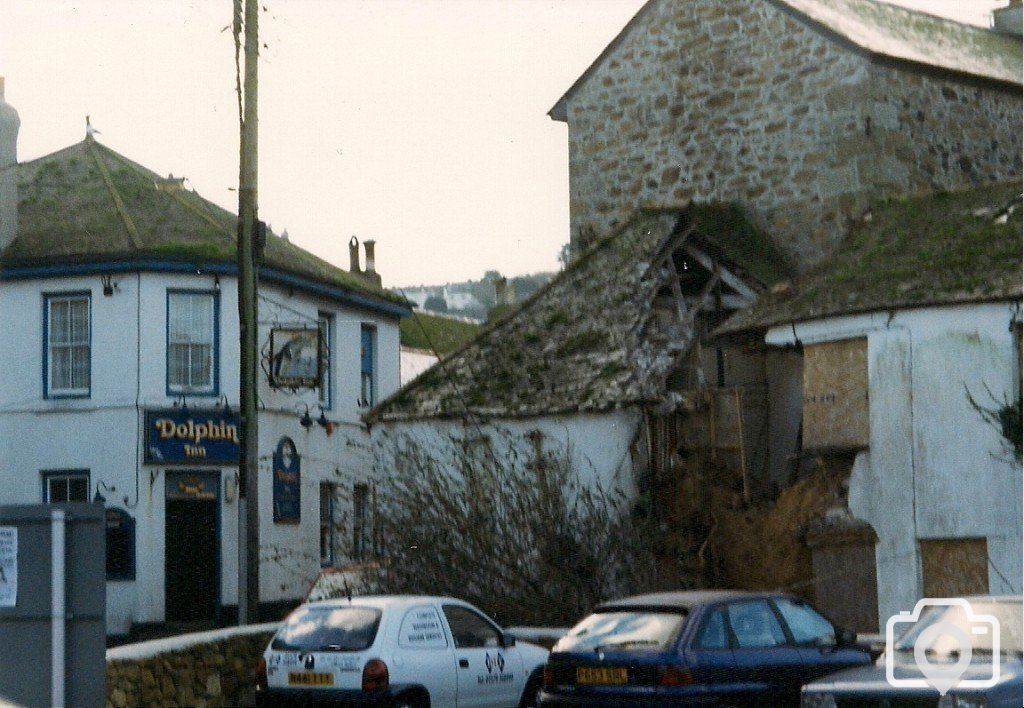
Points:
(697, 648)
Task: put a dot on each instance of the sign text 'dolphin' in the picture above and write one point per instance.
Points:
(191, 437)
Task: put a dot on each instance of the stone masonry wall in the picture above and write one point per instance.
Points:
(736, 100)
(220, 673)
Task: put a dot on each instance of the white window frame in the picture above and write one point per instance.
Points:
(188, 386)
(65, 476)
(77, 345)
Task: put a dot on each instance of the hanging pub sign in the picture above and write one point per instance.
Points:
(296, 357)
(191, 437)
(286, 483)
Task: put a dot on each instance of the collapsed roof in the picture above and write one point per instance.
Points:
(609, 329)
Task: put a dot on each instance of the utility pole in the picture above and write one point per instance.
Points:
(248, 457)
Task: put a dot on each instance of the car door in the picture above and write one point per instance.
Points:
(817, 639)
(426, 655)
(766, 658)
(710, 658)
(487, 673)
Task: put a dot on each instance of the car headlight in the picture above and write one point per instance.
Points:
(817, 700)
(951, 701)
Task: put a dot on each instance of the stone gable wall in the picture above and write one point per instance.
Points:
(736, 100)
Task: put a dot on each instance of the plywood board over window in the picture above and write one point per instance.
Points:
(836, 395)
(954, 567)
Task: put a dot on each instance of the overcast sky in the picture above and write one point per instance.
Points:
(419, 123)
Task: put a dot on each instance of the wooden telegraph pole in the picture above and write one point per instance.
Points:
(248, 459)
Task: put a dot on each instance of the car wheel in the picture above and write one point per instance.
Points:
(409, 702)
(531, 694)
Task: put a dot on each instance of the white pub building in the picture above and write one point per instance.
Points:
(119, 350)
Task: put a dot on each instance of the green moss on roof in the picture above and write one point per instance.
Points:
(726, 231)
(67, 212)
(943, 248)
(423, 331)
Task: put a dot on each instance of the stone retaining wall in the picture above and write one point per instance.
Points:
(206, 674)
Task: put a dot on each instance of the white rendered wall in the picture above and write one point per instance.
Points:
(935, 469)
(103, 432)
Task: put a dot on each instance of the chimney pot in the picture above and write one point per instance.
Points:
(371, 264)
(353, 255)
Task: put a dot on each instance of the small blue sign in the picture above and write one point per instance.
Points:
(286, 483)
(191, 437)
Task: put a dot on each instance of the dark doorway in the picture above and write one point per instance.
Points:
(192, 546)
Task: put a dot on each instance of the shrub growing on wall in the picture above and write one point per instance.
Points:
(507, 525)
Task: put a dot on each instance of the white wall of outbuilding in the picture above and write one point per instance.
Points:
(935, 469)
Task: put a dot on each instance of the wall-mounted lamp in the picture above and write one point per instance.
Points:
(324, 423)
(98, 497)
(179, 402)
(305, 420)
(225, 407)
(109, 286)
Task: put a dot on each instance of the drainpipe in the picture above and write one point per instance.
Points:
(57, 612)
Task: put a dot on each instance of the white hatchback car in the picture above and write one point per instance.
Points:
(399, 652)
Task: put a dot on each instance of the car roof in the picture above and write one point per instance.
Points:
(385, 601)
(683, 599)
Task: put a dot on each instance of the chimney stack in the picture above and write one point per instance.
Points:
(9, 125)
(371, 273)
(353, 256)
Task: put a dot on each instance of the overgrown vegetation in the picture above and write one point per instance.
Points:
(507, 525)
(1005, 416)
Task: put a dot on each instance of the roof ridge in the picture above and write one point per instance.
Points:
(119, 205)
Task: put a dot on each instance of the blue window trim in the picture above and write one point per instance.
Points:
(216, 343)
(58, 295)
(129, 574)
(368, 361)
(46, 475)
(327, 383)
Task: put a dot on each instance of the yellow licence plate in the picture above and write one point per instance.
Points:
(600, 676)
(310, 679)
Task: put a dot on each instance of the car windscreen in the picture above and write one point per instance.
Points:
(976, 626)
(624, 630)
(328, 629)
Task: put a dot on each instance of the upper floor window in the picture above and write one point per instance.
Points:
(65, 486)
(326, 323)
(191, 342)
(68, 349)
(367, 365)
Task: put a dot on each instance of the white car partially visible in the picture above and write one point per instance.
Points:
(398, 652)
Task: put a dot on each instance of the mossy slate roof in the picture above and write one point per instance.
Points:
(87, 204)
(588, 341)
(879, 29)
(941, 249)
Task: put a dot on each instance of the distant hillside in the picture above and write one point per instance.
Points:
(472, 298)
(446, 334)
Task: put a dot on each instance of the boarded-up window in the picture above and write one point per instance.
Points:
(954, 567)
(836, 395)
